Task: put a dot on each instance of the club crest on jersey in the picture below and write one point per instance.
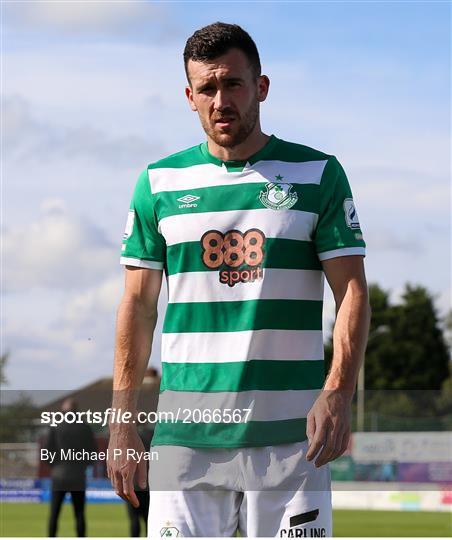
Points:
(170, 532)
(278, 195)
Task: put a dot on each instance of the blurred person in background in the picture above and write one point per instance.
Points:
(69, 476)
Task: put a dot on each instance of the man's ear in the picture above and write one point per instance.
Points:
(189, 94)
(263, 85)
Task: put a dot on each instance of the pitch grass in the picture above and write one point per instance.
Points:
(22, 519)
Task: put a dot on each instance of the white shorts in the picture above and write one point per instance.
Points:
(261, 491)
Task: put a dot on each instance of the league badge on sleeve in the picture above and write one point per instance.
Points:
(129, 224)
(351, 215)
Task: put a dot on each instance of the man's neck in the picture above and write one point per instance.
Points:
(242, 151)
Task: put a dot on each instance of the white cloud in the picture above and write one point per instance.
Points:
(72, 15)
(379, 116)
(17, 121)
(50, 357)
(73, 347)
(57, 250)
(384, 239)
(444, 301)
(90, 314)
(86, 17)
(91, 305)
(27, 138)
(121, 89)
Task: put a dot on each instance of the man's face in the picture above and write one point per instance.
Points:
(226, 94)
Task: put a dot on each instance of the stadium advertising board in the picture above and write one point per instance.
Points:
(402, 447)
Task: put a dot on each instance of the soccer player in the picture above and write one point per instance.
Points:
(245, 226)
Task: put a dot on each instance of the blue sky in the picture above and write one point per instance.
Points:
(93, 91)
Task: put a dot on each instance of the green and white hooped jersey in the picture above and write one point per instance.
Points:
(241, 244)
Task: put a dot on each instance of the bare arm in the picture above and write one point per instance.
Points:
(328, 423)
(348, 283)
(136, 319)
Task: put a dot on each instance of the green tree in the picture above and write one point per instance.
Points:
(17, 412)
(448, 330)
(379, 351)
(3, 360)
(422, 354)
(18, 419)
(444, 401)
(406, 349)
(379, 342)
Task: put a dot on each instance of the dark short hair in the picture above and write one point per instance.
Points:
(218, 38)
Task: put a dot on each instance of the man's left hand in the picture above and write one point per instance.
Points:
(328, 426)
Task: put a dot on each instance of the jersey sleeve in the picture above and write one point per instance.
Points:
(143, 245)
(338, 232)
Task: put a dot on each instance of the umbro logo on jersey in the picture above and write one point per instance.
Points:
(188, 201)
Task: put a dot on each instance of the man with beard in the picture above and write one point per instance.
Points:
(245, 226)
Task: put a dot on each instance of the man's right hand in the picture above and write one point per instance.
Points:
(122, 469)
